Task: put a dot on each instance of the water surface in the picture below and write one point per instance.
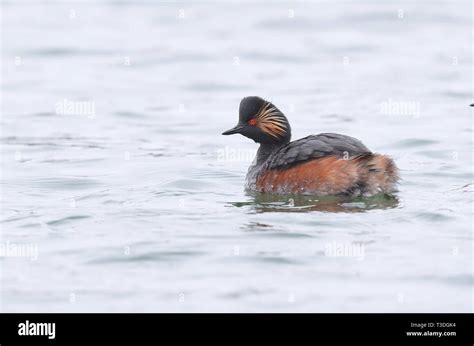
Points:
(113, 165)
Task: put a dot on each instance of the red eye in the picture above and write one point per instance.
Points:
(252, 122)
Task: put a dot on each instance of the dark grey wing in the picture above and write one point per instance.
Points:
(315, 147)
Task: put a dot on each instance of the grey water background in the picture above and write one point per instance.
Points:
(114, 169)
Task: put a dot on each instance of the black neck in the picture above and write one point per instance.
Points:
(266, 149)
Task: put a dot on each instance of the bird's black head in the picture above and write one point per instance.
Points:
(261, 121)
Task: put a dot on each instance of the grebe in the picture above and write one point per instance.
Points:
(324, 164)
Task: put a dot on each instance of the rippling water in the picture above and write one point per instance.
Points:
(114, 169)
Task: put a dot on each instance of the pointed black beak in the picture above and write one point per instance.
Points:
(233, 130)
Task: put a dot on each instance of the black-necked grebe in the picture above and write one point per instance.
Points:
(324, 164)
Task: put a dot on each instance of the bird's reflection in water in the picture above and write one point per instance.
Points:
(262, 202)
